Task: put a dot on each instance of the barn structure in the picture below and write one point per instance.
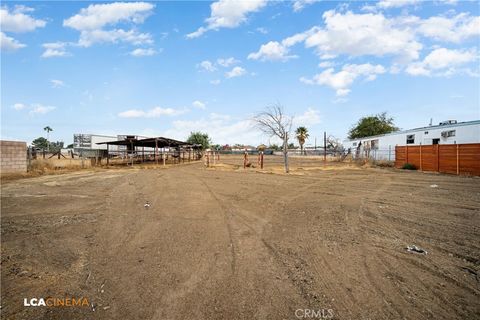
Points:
(132, 149)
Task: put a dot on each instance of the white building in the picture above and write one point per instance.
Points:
(89, 141)
(382, 147)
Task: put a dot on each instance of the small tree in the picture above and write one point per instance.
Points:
(40, 143)
(199, 138)
(302, 135)
(274, 122)
(56, 146)
(372, 126)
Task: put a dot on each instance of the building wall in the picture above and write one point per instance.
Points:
(13, 156)
(468, 132)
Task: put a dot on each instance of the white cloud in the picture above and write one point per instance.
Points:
(235, 72)
(54, 49)
(276, 51)
(207, 66)
(210, 66)
(41, 109)
(222, 129)
(227, 62)
(351, 34)
(97, 16)
(389, 4)
(262, 30)
(140, 52)
(17, 21)
(343, 79)
(442, 62)
(454, 29)
(57, 83)
(35, 108)
(299, 5)
(92, 21)
(215, 82)
(228, 14)
(364, 34)
(386, 4)
(272, 51)
(19, 106)
(152, 113)
(326, 64)
(309, 118)
(9, 44)
(90, 37)
(199, 104)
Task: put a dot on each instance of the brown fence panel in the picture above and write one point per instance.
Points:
(413, 156)
(429, 158)
(469, 159)
(447, 158)
(400, 158)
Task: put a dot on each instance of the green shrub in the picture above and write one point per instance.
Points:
(409, 166)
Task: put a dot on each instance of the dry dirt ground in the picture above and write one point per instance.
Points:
(224, 243)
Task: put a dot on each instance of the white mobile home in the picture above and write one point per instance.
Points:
(382, 147)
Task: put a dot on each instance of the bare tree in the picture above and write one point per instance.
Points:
(274, 122)
(334, 144)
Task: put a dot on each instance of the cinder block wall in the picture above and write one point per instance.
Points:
(13, 156)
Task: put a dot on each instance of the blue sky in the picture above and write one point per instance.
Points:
(168, 68)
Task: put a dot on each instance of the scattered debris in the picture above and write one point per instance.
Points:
(106, 307)
(472, 272)
(88, 276)
(416, 249)
(22, 273)
(434, 186)
(146, 205)
(93, 307)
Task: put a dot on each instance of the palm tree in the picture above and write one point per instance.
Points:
(48, 129)
(302, 135)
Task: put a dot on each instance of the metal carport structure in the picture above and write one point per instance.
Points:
(132, 143)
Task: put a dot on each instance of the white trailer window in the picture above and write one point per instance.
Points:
(410, 138)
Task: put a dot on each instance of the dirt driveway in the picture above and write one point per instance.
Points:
(228, 244)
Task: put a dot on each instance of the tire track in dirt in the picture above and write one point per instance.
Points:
(227, 220)
(235, 214)
(370, 262)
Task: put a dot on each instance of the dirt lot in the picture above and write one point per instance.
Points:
(224, 243)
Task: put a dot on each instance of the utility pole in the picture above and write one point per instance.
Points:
(325, 147)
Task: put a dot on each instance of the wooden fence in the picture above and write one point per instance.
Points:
(447, 158)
